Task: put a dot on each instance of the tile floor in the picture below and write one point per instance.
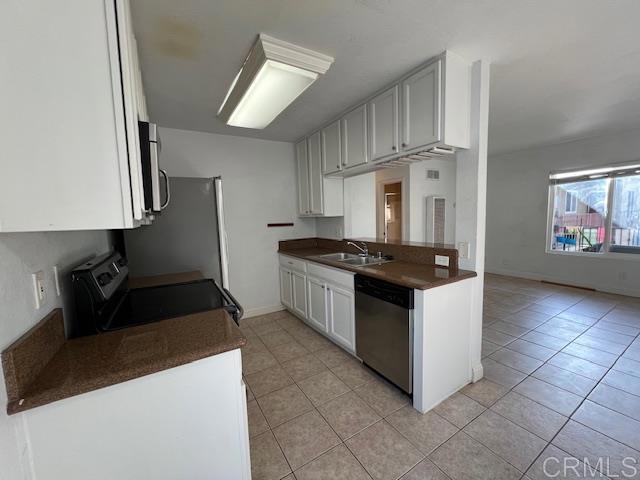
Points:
(562, 381)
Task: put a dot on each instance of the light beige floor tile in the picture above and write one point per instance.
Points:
(578, 365)
(348, 414)
(257, 423)
(425, 470)
(530, 415)
(550, 396)
(337, 464)
(617, 400)
(284, 404)
(565, 379)
(323, 387)
(253, 345)
(353, 373)
(313, 341)
(628, 366)
(555, 331)
(463, 458)
(496, 337)
(501, 374)
(333, 356)
(591, 354)
(623, 381)
(588, 340)
(509, 328)
(288, 351)
(305, 438)
(488, 348)
(532, 349)
(503, 437)
(485, 392)
(426, 432)
(517, 361)
(612, 424)
(545, 340)
(584, 443)
(382, 397)
(267, 460)
(304, 367)
(255, 362)
(459, 409)
(268, 380)
(265, 328)
(273, 339)
(384, 453)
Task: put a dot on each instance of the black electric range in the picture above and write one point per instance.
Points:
(105, 303)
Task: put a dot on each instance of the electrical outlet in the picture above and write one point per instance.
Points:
(464, 249)
(56, 280)
(40, 294)
(442, 260)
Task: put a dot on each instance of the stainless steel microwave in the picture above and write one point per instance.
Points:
(150, 147)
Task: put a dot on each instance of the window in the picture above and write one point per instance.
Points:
(571, 202)
(595, 211)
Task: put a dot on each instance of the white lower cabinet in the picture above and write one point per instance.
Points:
(341, 316)
(286, 293)
(317, 313)
(299, 291)
(322, 296)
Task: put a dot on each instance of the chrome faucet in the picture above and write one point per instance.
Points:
(364, 250)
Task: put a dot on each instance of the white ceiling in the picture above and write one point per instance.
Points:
(561, 69)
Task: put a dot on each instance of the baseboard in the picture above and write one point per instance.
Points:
(254, 312)
(477, 372)
(565, 281)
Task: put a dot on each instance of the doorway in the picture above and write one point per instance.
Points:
(392, 211)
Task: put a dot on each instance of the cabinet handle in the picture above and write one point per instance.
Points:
(404, 145)
(394, 148)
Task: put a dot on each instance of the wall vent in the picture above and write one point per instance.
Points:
(435, 231)
(433, 174)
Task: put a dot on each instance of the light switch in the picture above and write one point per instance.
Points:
(464, 249)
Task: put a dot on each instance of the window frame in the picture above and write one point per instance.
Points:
(606, 246)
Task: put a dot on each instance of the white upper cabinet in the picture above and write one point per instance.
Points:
(70, 158)
(421, 108)
(317, 195)
(315, 174)
(355, 150)
(302, 160)
(331, 148)
(383, 124)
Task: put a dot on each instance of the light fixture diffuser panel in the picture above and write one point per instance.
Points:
(273, 75)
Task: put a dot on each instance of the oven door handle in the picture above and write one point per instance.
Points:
(231, 299)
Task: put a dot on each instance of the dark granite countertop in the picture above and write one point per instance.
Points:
(414, 275)
(42, 367)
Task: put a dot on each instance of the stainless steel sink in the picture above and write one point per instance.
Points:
(362, 261)
(353, 259)
(339, 257)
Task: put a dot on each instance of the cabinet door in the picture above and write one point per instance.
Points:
(302, 161)
(317, 314)
(342, 316)
(383, 124)
(421, 108)
(354, 137)
(285, 288)
(315, 175)
(331, 149)
(299, 290)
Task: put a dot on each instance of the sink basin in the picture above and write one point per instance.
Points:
(362, 261)
(353, 259)
(339, 257)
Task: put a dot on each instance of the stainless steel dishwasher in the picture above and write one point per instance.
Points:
(384, 329)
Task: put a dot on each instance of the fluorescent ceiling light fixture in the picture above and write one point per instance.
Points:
(273, 75)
